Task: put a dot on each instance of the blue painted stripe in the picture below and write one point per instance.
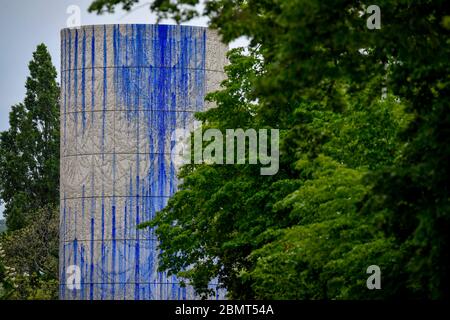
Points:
(93, 75)
(64, 76)
(75, 261)
(69, 82)
(83, 81)
(105, 87)
(75, 82)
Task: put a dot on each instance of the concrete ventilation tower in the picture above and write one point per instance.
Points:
(124, 90)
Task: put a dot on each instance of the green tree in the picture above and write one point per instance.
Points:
(29, 149)
(227, 221)
(320, 74)
(29, 257)
(2, 225)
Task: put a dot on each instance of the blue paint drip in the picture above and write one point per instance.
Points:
(93, 75)
(83, 188)
(63, 238)
(91, 275)
(103, 249)
(64, 74)
(137, 245)
(82, 270)
(75, 254)
(122, 271)
(113, 262)
(70, 67)
(75, 81)
(113, 230)
(105, 89)
(83, 81)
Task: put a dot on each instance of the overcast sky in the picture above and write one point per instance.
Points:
(24, 24)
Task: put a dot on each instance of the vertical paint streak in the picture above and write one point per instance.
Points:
(92, 235)
(75, 260)
(83, 81)
(103, 249)
(113, 230)
(105, 86)
(82, 271)
(64, 73)
(83, 197)
(82, 262)
(137, 245)
(69, 82)
(93, 75)
(103, 257)
(137, 48)
(75, 82)
(113, 262)
(62, 225)
(123, 272)
(63, 239)
(91, 275)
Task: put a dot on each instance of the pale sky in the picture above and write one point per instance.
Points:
(24, 24)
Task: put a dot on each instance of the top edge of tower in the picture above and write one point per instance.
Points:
(120, 25)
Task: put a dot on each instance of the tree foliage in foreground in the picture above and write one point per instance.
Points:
(362, 181)
(29, 258)
(2, 225)
(29, 187)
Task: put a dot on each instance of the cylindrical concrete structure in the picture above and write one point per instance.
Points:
(124, 90)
